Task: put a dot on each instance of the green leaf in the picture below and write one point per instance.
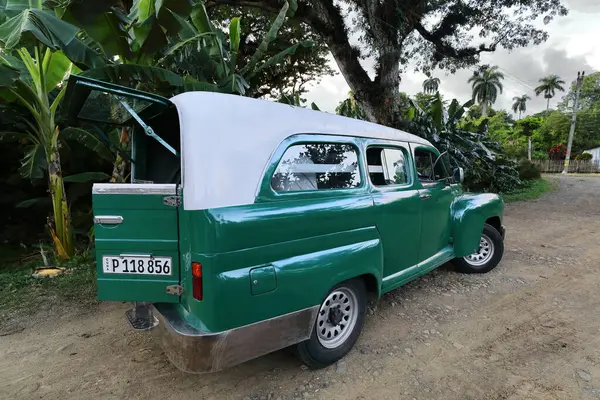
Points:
(87, 177)
(89, 140)
(169, 13)
(163, 80)
(200, 18)
(83, 56)
(192, 84)
(314, 107)
(33, 202)
(276, 59)
(141, 10)
(20, 5)
(8, 73)
(57, 68)
(102, 25)
(288, 10)
(33, 163)
(9, 137)
(186, 29)
(182, 43)
(32, 25)
(234, 42)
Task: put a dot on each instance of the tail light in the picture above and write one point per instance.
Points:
(197, 280)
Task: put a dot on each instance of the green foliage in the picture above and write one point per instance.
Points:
(588, 95)
(431, 85)
(528, 125)
(520, 104)
(485, 166)
(549, 85)
(531, 190)
(584, 156)
(22, 294)
(486, 85)
(528, 170)
(540, 155)
(350, 108)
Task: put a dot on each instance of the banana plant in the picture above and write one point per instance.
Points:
(486, 167)
(34, 79)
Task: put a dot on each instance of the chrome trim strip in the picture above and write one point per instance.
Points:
(108, 219)
(195, 351)
(134, 188)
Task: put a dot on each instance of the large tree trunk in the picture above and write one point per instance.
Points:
(60, 227)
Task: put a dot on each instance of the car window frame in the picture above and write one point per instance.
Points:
(405, 149)
(265, 191)
(436, 153)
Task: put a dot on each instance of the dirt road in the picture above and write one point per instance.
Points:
(530, 329)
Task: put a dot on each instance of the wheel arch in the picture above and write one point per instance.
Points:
(469, 214)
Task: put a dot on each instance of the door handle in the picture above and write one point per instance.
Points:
(425, 196)
(108, 219)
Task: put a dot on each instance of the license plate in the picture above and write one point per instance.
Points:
(136, 265)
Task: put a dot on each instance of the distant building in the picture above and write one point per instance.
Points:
(595, 152)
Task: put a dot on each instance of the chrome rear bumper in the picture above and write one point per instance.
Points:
(192, 350)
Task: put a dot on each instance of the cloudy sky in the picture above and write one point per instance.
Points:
(574, 45)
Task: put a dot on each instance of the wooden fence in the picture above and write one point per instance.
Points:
(575, 166)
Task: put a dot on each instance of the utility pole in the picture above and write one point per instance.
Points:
(580, 76)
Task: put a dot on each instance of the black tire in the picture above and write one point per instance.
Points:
(497, 250)
(312, 352)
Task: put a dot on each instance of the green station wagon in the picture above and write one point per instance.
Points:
(250, 226)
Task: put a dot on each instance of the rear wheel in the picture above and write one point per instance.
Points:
(338, 324)
(487, 256)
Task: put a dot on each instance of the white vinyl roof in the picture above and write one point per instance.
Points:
(227, 141)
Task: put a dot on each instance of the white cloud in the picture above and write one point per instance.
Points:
(573, 46)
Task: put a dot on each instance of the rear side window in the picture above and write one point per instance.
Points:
(387, 166)
(317, 166)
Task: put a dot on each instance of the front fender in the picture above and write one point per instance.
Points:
(469, 213)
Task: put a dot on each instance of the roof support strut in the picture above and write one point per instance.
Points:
(147, 129)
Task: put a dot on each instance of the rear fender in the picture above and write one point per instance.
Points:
(469, 213)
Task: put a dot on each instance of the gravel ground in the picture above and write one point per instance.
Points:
(530, 329)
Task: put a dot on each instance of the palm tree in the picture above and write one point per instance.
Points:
(520, 104)
(486, 84)
(548, 86)
(431, 85)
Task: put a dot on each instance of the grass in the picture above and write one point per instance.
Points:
(22, 295)
(531, 191)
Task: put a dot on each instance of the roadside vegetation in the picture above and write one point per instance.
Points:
(21, 294)
(531, 190)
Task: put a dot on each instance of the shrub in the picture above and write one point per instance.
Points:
(528, 171)
(584, 156)
(539, 155)
(486, 167)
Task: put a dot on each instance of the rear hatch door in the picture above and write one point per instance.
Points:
(137, 242)
(135, 224)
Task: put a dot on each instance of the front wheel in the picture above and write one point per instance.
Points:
(338, 324)
(487, 256)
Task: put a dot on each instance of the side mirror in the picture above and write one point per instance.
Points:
(459, 174)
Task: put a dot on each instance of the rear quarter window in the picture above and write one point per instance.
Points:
(317, 166)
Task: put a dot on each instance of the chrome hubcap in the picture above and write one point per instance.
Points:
(337, 317)
(484, 254)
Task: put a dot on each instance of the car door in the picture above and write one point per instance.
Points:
(436, 195)
(397, 204)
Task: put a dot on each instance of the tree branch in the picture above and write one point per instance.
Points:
(443, 49)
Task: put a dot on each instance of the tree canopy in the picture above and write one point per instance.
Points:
(448, 34)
